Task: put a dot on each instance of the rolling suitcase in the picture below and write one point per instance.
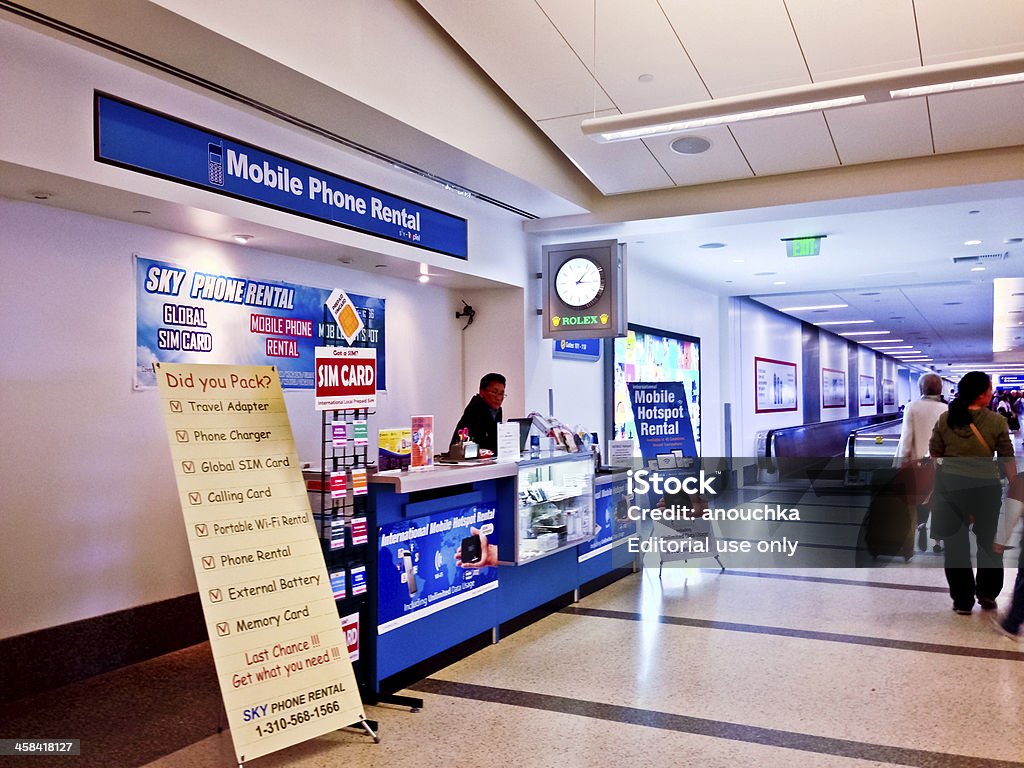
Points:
(891, 521)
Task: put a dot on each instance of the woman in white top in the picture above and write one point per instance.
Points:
(919, 418)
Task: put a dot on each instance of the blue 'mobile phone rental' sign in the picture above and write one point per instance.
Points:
(140, 139)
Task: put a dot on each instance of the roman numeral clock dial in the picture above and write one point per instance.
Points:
(580, 282)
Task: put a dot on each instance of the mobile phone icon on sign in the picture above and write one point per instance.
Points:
(216, 165)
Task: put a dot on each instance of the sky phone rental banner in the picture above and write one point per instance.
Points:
(662, 418)
(281, 654)
(187, 315)
(432, 562)
(139, 139)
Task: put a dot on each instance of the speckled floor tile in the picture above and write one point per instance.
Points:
(452, 731)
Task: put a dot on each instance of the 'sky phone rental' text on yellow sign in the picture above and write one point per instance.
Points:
(281, 655)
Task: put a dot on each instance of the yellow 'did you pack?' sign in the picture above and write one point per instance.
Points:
(281, 654)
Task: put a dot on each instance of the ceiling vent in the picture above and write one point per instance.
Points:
(982, 258)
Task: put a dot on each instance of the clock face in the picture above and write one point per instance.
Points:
(579, 282)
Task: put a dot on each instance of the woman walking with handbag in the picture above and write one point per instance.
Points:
(968, 491)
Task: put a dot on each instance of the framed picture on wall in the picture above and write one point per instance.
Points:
(833, 388)
(774, 385)
(866, 388)
(888, 392)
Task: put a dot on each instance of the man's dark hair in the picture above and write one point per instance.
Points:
(490, 378)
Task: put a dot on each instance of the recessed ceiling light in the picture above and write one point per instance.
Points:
(380, 266)
(142, 212)
(817, 307)
(844, 322)
(424, 278)
(690, 145)
(974, 211)
(871, 293)
(345, 259)
(865, 333)
(41, 194)
(241, 239)
(646, 78)
(977, 269)
(711, 245)
(780, 282)
(887, 349)
(972, 242)
(951, 303)
(764, 274)
(1013, 240)
(738, 261)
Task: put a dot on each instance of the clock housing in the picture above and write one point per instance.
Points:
(584, 290)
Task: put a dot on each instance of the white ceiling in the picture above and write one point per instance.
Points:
(565, 60)
(559, 67)
(890, 259)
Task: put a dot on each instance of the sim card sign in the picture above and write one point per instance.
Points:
(345, 314)
(345, 377)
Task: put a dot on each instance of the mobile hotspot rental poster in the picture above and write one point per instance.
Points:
(187, 315)
(651, 355)
(430, 563)
(662, 418)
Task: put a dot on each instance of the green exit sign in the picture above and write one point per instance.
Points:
(803, 246)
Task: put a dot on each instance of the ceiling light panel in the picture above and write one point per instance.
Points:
(711, 37)
(623, 30)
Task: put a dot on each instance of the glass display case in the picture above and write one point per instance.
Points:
(555, 505)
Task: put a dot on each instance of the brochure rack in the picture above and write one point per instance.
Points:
(347, 527)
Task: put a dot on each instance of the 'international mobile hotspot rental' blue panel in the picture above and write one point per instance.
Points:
(133, 137)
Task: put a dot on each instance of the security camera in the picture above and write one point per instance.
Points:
(468, 312)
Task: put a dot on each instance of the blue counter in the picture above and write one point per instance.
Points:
(426, 601)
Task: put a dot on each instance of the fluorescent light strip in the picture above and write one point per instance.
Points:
(958, 85)
(878, 344)
(882, 87)
(865, 333)
(735, 117)
(809, 309)
(845, 322)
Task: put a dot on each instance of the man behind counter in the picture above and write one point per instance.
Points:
(483, 414)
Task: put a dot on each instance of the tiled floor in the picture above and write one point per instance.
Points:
(838, 668)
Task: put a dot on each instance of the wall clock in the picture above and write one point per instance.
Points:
(580, 282)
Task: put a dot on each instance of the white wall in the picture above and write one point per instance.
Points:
(834, 354)
(90, 521)
(765, 333)
(47, 86)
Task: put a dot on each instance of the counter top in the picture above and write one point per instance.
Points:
(603, 478)
(443, 475)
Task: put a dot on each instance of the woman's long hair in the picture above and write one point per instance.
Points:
(972, 386)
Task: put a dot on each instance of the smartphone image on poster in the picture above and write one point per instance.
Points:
(472, 551)
(410, 572)
(216, 164)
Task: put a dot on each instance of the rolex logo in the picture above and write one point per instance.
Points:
(604, 318)
(555, 320)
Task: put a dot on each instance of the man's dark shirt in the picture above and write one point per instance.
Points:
(482, 425)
